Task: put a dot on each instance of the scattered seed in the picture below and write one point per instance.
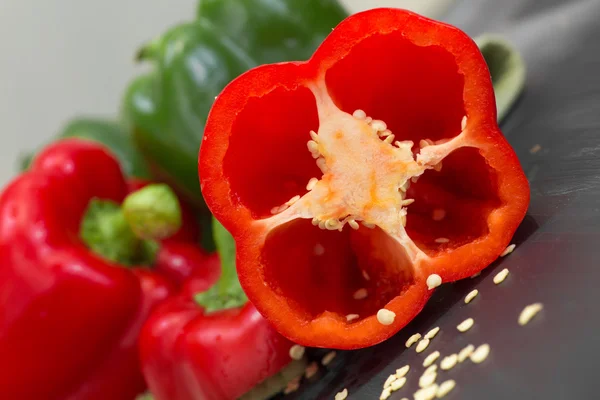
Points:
(449, 362)
(365, 275)
(401, 372)
(342, 395)
(297, 352)
(427, 393)
(463, 123)
(433, 281)
(319, 250)
(292, 386)
(472, 294)
(509, 249)
(353, 224)
(445, 388)
(465, 353)
(328, 358)
(442, 240)
(378, 125)
(359, 114)
(427, 379)
(312, 183)
(465, 325)
(351, 317)
(480, 354)
(360, 294)
(501, 276)
(430, 359)
(535, 149)
(385, 317)
(422, 345)
(398, 384)
(529, 312)
(413, 339)
(310, 370)
(387, 392)
(430, 369)
(389, 380)
(438, 214)
(431, 334)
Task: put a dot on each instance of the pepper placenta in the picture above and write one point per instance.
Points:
(214, 345)
(351, 180)
(167, 108)
(71, 311)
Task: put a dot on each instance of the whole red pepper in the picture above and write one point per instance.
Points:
(356, 182)
(69, 318)
(192, 352)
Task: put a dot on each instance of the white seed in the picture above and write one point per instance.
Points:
(401, 372)
(529, 312)
(293, 200)
(437, 167)
(312, 183)
(465, 325)
(315, 221)
(413, 339)
(342, 395)
(332, 224)
(318, 250)
(405, 144)
(430, 369)
(322, 224)
(365, 275)
(509, 249)
(389, 139)
(328, 358)
(368, 120)
(535, 149)
(359, 114)
(476, 274)
(407, 202)
(360, 294)
(427, 393)
(368, 225)
(297, 352)
(449, 362)
(422, 345)
(438, 214)
(433, 281)
(472, 294)
(465, 353)
(378, 125)
(445, 388)
(431, 334)
(480, 354)
(423, 143)
(501, 276)
(415, 179)
(353, 224)
(310, 370)
(442, 240)
(430, 359)
(313, 146)
(314, 136)
(275, 210)
(351, 317)
(463, 123)
(387, 392)
(403, 220)
(398, 384)
(427, 379)
(386, 317)
(389, 380)
(322, 164)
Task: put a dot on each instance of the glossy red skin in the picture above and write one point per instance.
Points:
(187, 354)
(329, 329)
(68, 319)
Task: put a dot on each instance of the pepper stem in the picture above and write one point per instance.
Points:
(127, 234)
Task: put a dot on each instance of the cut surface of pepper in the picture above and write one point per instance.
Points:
(351, 153)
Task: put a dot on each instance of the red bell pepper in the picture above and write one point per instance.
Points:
(213, 351)
(70, 318)
(391, 125)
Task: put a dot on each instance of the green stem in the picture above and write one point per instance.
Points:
(227, 292)
(127, 234)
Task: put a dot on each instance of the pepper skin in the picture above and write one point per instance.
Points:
(167, 108)
(69, 319)
(190, 354)
(404, 175)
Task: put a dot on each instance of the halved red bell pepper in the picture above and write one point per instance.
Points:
(218, 352)
(351, 179)
(69, 318)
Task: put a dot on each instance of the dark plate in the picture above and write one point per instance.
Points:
(557, 259)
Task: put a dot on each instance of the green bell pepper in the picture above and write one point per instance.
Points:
(167, 108)
(108, 133)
